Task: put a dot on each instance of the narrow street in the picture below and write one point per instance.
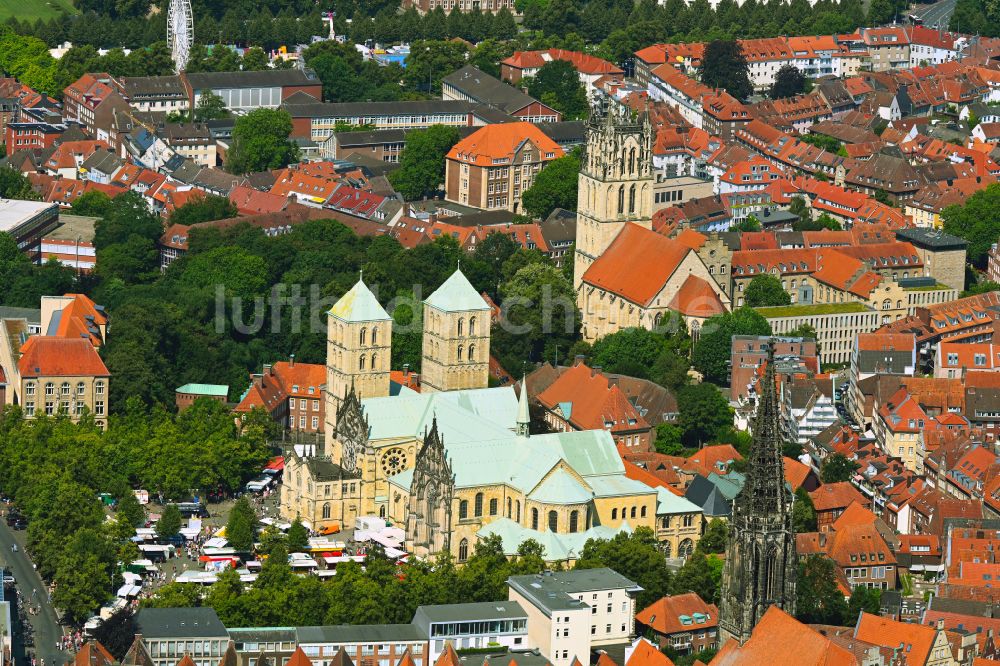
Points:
(936, 15)
(33, 591)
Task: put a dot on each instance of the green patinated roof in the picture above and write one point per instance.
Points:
(561, 488)
(219, 390)
(557, 546)
(457, 295)
(359, 304)
(729, 485)
(667, 503)
(617, 486)
(462, 416)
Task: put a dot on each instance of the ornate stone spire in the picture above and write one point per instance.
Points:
(523, 413)
(761, 565)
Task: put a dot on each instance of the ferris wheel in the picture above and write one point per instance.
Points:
(180, 32)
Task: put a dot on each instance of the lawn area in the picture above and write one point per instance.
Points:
(29, 10)
(810, 310)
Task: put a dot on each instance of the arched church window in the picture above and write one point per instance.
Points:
(461, 325)
(472, 352)
(326, 511)
(632, 515)
(361, 362)
(621, 199)
(509, 503)
(479, 504)
(463, 509)
(631, 199)
(517, 511)
(642, 511)
(534, 519)
(631, 161)
(574, 518)
(460, 349)
(363, 336)
(375, 336)
(553, 521)
(374, 359)
(472, 325)
(494, 506)
(685, 548)
(463, 550)
(614, 514)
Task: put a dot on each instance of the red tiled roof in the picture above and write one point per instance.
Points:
(771, 640)
(886, 342)
(645, 653)
(500, 141)
(50, 356)
(878, 630)
(637, 264)
(594, 402)
(854, 514)
(832, 496)
(301, 380)
(664, 615)
(697, 298)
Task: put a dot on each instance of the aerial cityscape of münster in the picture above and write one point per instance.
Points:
(499, 333)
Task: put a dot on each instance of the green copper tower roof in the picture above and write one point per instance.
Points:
(456, 295)
(359, 304)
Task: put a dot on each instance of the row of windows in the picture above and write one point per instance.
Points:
(64, 388)
(627, 514)
(65, 407)
(304, 403)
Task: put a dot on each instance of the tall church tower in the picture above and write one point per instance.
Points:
(760, 560)
(358, 351)
(615, 184)
(456, 352)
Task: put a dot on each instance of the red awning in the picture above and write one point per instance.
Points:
(277, 463)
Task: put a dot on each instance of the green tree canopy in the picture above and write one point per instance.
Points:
(818, 599)
(724, 66)
(94, 203)
(260, 142)
(421, 164)
(241, 527)
(554, 187)
(716, 537)
(636, 556)
(712, 353)
(210, 107)
(977, 221)
(764, 290)
(705, 414)
(169, 523)
(837, 467)
(788, 82)
(803, 512)
(204, 208)
(297, 539)
(557, 84)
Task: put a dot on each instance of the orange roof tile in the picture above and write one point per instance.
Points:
(50, 356)
(500, 142)
(769, 645)
(664, 615)
(645, 653)
(854, 514)
(301, 380)
(796, 473)
(592, 402)
(697, 298)
(637, 264)
(882, 631)
(298, 658)
(832, 496)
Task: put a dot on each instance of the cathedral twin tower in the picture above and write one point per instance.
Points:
(456, 344)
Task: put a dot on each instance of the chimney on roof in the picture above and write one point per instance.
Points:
(267, 369)
(291, 360)
(596, 370)
(406, 370)
(578, 359)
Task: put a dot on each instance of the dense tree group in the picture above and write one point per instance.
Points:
(54, 470)
(977, 221)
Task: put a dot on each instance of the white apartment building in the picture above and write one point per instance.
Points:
(570, 612)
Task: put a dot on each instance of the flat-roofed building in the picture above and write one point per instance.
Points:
(836, 325)
(28, 222)
(318, 120)
(491, 624)
(185, 395)
(364, 643)
(245, 91)
(571, 612)
(168, 634)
